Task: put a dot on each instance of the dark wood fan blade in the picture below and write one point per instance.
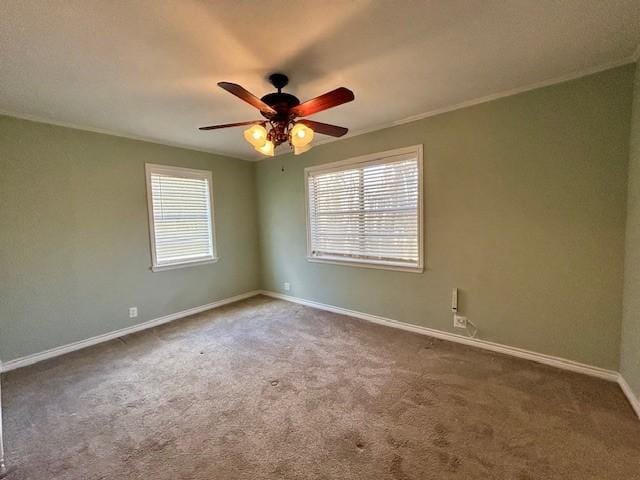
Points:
(325, 128)
(247, 96)
(227, 125)
(328, 100)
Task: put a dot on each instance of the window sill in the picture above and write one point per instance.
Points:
(366, 264)
(173, 266)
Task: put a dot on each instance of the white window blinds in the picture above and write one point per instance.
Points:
(367, 211)
(180, 215)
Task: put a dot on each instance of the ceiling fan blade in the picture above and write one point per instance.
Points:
(227, 125)
(328, 100)
(325, 128)
(247, 96)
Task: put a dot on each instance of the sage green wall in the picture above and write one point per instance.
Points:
(524, 212)
(74, 239)
(630, 353)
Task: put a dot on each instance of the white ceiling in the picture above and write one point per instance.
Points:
(148, 68)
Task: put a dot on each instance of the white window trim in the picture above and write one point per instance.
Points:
(185, 173)
(382, 157)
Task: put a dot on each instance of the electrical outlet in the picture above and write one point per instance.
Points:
(459, 321)
(287, 286)
(133, 312)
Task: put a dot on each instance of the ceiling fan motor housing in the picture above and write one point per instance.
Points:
(280, 102)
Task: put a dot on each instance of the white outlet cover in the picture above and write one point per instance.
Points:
(287, 286)
(133, 312)
(459, 321)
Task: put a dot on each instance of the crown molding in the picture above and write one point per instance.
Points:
(485, 99)
(635, 57)
(508, 93)
(103, 131)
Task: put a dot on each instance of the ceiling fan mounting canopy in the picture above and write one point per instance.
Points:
(279, 80)
(281, 110)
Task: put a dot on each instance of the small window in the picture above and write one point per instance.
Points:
(367, 211)
(180, 217)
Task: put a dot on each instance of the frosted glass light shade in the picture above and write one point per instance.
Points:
(267, 149)
(256, 135)
(301, 135)
(300, 150)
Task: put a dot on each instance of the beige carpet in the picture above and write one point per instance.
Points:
(265, 389)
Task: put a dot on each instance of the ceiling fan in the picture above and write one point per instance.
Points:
(281, 110)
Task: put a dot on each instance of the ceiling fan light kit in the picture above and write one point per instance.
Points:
(281, 111)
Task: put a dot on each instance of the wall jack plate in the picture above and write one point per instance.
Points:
(459, 321)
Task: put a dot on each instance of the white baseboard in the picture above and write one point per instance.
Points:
(633, 400)
(452, 337)
(494, 347)
(105, 337)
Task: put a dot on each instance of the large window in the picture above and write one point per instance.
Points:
(367, 211)
(180, 216)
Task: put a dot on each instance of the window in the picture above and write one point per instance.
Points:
(367, 211)
(180, 217)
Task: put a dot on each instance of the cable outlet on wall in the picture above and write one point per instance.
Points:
(287, 286)
(459, 321)
(133, 312)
